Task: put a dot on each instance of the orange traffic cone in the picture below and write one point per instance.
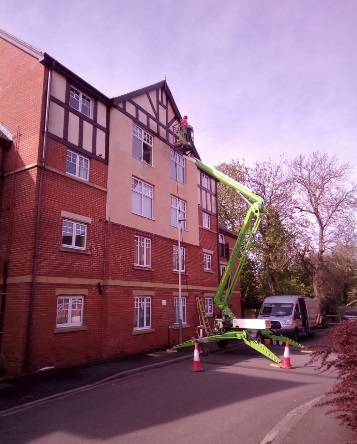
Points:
(286, 360)
(196, 360)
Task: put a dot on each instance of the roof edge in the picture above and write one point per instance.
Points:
(34, 52)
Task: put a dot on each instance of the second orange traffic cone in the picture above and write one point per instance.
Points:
(286, 360)
(196, 367)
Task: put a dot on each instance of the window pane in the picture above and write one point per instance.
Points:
(148, 252)
(76, 312)
(80, 235)
(83, 168)
(62, 310)
(136, 185)
(175, 257)
(137, 132)
(183, 258)
(147, 153)
(74, 99)
(71, 163)
(180, 173)
(148, 313)
(137, 147)
(141, 315)
(136, 202)
(172, 169)
(85, 105)
(136, 250)
(147, 207)
(67, 233)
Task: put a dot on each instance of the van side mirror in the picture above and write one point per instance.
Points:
(296, 316)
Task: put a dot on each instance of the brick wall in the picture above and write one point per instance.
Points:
(109, 257)
(22, 86)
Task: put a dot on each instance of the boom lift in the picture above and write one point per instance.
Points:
(251, 331)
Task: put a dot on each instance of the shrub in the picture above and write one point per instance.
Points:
(338, 351)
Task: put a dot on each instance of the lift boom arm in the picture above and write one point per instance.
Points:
(239, 328)
(245, 237)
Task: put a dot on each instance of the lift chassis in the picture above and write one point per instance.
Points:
(251, 331)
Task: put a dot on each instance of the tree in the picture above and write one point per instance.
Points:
(323, 199)
(338, 351)
(271, 252)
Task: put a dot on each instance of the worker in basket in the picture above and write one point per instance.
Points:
(185, 135)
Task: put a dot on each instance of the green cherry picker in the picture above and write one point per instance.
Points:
(251, 331)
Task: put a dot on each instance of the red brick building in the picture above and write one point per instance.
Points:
(91, 191)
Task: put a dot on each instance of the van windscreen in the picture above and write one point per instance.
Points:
(277, 309)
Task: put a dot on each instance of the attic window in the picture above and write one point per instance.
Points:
(142, 145)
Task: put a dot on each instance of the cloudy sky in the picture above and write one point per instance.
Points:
(257, 78)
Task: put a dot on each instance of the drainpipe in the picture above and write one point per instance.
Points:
(27, 362)
(9, 237)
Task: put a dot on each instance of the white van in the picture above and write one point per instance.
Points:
(291, 316)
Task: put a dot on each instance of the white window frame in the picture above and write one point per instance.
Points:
(206, 220)
(79, 163)
(142, 312)
(205, 181)
(207, 262)
(222, 269)
(178, 212)
(80, 101)
(176, 258)
(70, 309)
(78, 229)
(142, 195)
(143, 145)
(209, 306)
(177, 166)
(142, 253)
(176, 310)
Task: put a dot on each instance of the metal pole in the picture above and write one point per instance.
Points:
(179, 278)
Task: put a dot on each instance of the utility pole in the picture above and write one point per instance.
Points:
(180, 315)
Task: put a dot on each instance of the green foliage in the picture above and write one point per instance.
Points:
(271, 268)
(249, 288)
(307, 240)
(338, 351)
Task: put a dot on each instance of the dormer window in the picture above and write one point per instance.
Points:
(142, 145)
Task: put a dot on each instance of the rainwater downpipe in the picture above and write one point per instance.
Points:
(27, 363)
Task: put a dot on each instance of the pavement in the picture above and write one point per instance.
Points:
(303, 424)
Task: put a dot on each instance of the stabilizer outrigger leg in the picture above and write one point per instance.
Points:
(243, 335)
(224, 337)
(275, 336)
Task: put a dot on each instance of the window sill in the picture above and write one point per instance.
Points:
(143, 331)
(208, 271)
(177, 272)
(73, 176)
(74, 250)
(70, 328)
(176, 326)
(207, 228)
(138, 267)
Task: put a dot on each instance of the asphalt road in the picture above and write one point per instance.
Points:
(238, 398)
